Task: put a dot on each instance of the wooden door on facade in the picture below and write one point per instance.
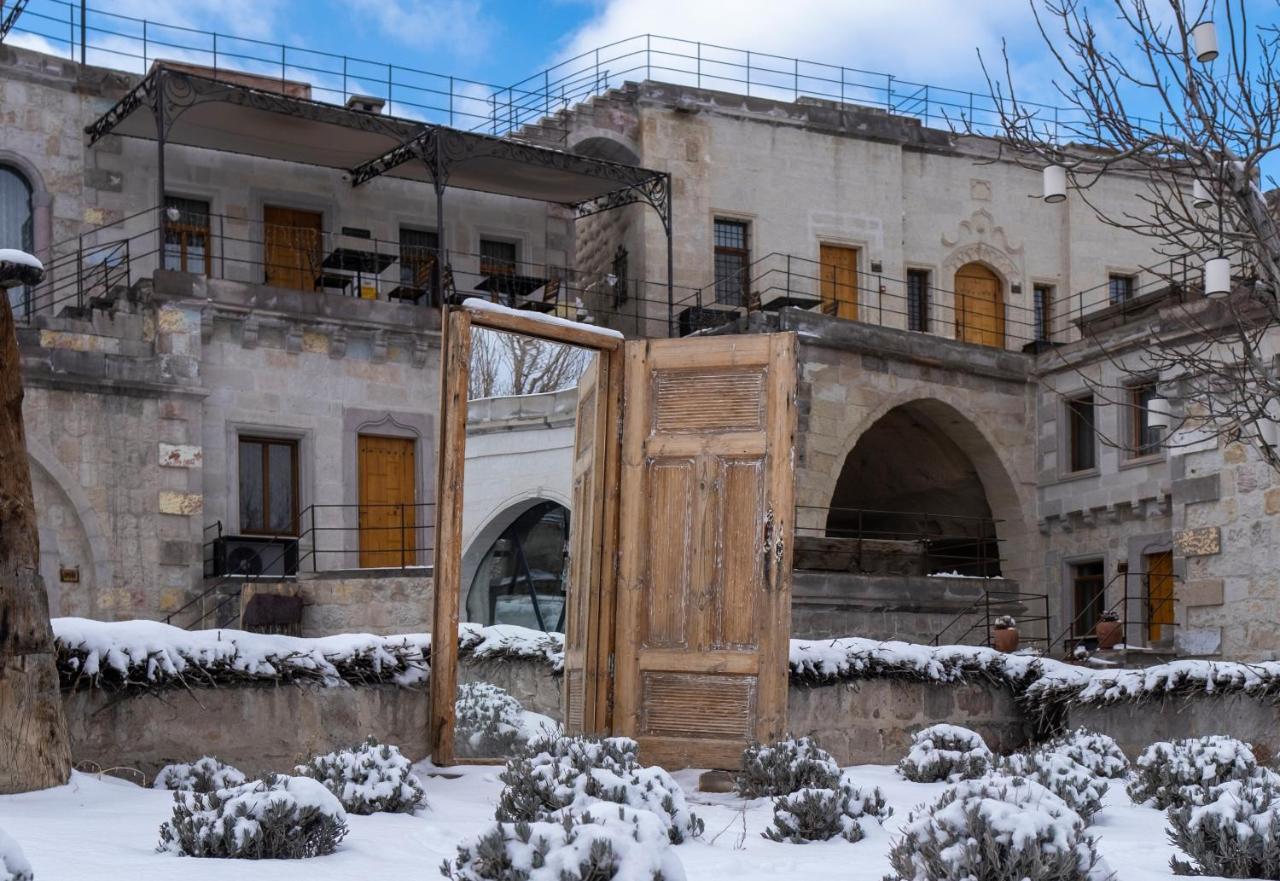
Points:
(291, 247)
(388, 516)
(1159, 594)
(703, 603)
(839, 280)
(584, 687)
(979, 306)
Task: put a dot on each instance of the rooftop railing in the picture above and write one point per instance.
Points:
(130, 43)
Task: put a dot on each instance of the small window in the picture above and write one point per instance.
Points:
(497, 258)
(1145, 438)
(16, 216)
(1120, 288)
(1089, 593)
(1080, 421)
(417, 256)
(732, 259)
(186, 235)
(1042, 304)
(918, 300)
(268, 486)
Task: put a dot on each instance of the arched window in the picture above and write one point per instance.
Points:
(521, 579)
(16, 219)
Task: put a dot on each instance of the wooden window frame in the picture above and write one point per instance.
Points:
(457, 332)
(186, 231)
(499, 267)
(1073, 418)
(266, 442)
(1138, 412)
(743, 253)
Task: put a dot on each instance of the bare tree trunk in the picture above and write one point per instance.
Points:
(35, 752)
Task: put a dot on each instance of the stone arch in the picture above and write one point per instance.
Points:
(495, 524)
(599, 143)
(41, 201)
(909, 435)
(66, 516)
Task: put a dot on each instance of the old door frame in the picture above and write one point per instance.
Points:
(450, 473)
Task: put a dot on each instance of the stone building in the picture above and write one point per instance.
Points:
(937, 299)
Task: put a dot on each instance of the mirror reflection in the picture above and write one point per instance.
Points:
(530, 415)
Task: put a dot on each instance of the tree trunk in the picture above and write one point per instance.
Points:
(35, 752)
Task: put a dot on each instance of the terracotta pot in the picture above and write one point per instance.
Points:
(1005, 639)
(1109, 634)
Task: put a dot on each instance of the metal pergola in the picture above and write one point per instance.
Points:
(237, 113)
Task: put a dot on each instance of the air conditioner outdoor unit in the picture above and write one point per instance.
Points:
(254, 556)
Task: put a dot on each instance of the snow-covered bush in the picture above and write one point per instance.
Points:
(819, 814)
(945, 752)
(276, 817)
(1234, 835)
(787, 766)
(369, 778)
(606, 843)
(573, 774)
(1063, 776)
(206, 774)
(486, 721)
(996, 828)
(1097, 752)
(1186, 771)
(13, 863)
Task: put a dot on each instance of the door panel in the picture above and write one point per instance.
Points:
(979, 306)
(291, 245)
(704, 585)
(582, 639)
(388, 518)
(1159, 594)
(839, 280)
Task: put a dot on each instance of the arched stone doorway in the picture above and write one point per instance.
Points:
(979, 293)
(923, 473)
(514, 570)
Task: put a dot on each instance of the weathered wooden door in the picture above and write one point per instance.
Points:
(585, 687)
(1159, 594)
(979, 306)
(839, 280)
(291, 247)
(703, 605)
(388, 516)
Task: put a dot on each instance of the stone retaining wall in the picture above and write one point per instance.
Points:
(1135, 725)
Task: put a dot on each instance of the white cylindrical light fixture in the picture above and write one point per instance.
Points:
(1200, 197)
(1204, 40)
(1159, 412)
(1055, 183)
(1217, 277)
(1269, 424)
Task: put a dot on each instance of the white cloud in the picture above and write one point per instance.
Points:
(456, 26)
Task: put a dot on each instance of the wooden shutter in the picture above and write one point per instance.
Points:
(291, 247)
(584, 689)
(979, 306)
(1159, 594)
(388, 516)
(703, 606)
(839, 281)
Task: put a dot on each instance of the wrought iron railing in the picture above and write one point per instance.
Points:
(112, 39)
(323, 538)
(977, 623)
(1135, 607)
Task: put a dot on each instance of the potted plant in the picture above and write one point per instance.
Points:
(1108, 630)
(1005, 637)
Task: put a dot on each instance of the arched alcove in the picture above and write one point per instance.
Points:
(514, 569)
(923, 472)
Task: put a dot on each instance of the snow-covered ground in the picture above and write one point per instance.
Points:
(104, 828)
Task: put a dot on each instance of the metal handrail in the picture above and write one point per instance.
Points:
(989, 613)
(1069, 636)
(296, 537)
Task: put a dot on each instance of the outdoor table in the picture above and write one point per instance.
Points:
(781, 301)
(359, 261)
(509, 286)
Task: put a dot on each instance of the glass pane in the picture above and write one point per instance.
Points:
(251, 486)
(280, 496)
(195, 253)
(525, 471)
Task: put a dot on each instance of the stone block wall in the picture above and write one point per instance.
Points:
(1137, 725)
(382, 601)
